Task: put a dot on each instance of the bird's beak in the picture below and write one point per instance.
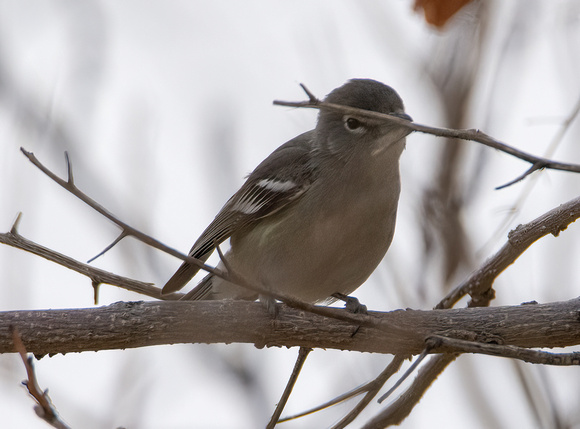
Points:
(402, 115)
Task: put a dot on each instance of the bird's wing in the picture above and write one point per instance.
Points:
(279, 180)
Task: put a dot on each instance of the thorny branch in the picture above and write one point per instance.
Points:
(96, 275)
(230, 276)
(126, 229)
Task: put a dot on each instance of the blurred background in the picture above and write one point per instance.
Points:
(164, 107)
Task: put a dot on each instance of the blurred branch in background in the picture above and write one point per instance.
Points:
(44, 408)
(452, 68)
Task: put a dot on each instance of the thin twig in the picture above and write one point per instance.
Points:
(45, 410)
(97, 276)
(127, 230)
(468, 134)
(311, 96)
(534, 167)
(407, 373)
(303, 353)
(373, 388)
(439, 343)
(526, 191)
(109, 247)
(399, 409)
(370, 389)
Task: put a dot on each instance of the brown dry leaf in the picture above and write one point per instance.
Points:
(438, 12)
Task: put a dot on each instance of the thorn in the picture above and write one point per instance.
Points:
(109, 247)
(69, 169)
(534, 167)
(96, 286)
(310, 95)
(14, 229)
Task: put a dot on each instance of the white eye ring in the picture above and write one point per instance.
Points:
(353, 124)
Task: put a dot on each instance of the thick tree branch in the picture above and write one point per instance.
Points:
(138, 324)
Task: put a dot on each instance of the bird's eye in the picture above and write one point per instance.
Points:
(352, 124)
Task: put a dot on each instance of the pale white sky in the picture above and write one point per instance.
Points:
(164, 107)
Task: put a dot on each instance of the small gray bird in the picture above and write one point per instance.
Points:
(317, 216)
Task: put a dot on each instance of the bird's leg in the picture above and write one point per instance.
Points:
(351, 304)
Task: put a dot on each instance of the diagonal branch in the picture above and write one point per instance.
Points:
(398, 410)
(479, 284)
(453, 345)
(45, 409)
(97, 276)
(370, 390)
(303, 353)
(127, 229)
(469, 134)
(231, 276)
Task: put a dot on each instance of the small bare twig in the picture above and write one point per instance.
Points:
(127, 230)
(109, 247)
(370, 389)
(310, 95)
(534, 167)
(399, 409)
(303, 353)
(470, 134)
(45, 410)
(407, 373)
(439, 343)
(97, 276)
(526, 191)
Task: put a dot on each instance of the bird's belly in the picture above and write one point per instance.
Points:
(323, 255)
